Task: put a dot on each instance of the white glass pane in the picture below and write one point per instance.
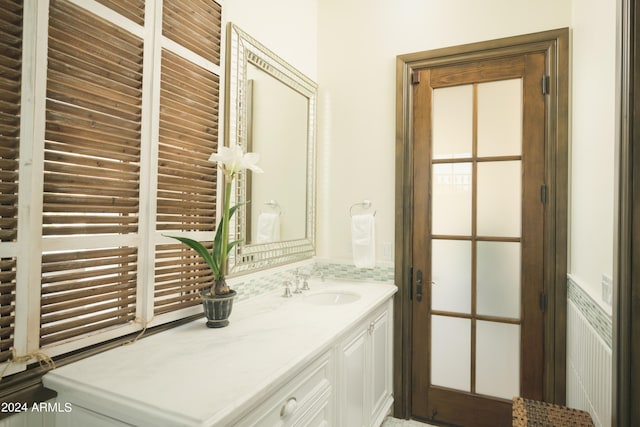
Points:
(451, 352)
(500, 118)
(451, 274)
(499, 199)
(452, 122)
(451, 203)
(498, 359)
(498, 279)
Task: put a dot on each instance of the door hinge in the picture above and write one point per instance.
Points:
(419, 285)
(543, 194)
(415, 77)
(543, 302)
(545, 85)
(411, 283)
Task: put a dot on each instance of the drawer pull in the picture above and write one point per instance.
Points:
(289, 407)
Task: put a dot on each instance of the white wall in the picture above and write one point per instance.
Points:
(591, 199)
(592, 144)
(289, 28)
(357, 46)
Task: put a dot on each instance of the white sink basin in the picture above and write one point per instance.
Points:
(331, 298)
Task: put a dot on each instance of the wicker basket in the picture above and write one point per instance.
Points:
(530, 413)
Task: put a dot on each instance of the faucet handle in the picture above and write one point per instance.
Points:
(287, 289)
(305, 281)
(317, 271)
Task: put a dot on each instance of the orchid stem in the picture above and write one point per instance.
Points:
(225, 227)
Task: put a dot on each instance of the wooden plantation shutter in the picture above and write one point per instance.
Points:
(189, 110)
(10, 81)
(188, 136)
(91, 173)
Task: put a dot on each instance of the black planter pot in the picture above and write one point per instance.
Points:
(217, 308)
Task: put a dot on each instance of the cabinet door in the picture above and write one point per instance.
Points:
(381, 369)
(352, 381)
(365, 371)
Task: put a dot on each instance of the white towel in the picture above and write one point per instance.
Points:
(363, 240)
(268, 227)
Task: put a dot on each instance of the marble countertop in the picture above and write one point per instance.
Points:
(196, 376)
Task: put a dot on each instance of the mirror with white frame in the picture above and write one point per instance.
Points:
(271, 110)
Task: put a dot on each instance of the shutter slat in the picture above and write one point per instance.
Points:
(82, 327)
(161, 309)
(91, 205)
(86, 306)
(193, 149)
(197, 171)
(89, 255)
(85, 296)
(68, 231)
(201, 18)
(66, 58)
(185, 281)
(133, 10)
(91, 119)
(91, 144)
(90, 33)
(103, 103)
(181, 131)
(200, 39)
(185, 86)
(184, 225)
(202, 199)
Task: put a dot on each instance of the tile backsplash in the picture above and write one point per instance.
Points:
(255, 284)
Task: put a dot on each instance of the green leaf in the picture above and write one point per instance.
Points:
(202, 251)
(233, 209)
(232, 244)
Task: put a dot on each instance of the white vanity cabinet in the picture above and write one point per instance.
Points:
(283, 362)
(364, 381)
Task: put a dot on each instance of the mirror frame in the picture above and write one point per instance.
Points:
(242, 49)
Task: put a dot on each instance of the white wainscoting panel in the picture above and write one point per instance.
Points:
(588, 367)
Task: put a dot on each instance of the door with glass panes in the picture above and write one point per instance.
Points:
(478, 168)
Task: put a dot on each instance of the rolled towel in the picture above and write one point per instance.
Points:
(268, 227)
(363, 240)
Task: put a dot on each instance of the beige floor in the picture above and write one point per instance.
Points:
(394, 422)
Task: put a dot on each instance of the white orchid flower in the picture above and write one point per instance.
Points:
(233, 159)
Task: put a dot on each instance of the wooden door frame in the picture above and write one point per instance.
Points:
(555, 44)
(626, 271)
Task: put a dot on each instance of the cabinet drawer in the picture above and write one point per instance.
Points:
(293, 401)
